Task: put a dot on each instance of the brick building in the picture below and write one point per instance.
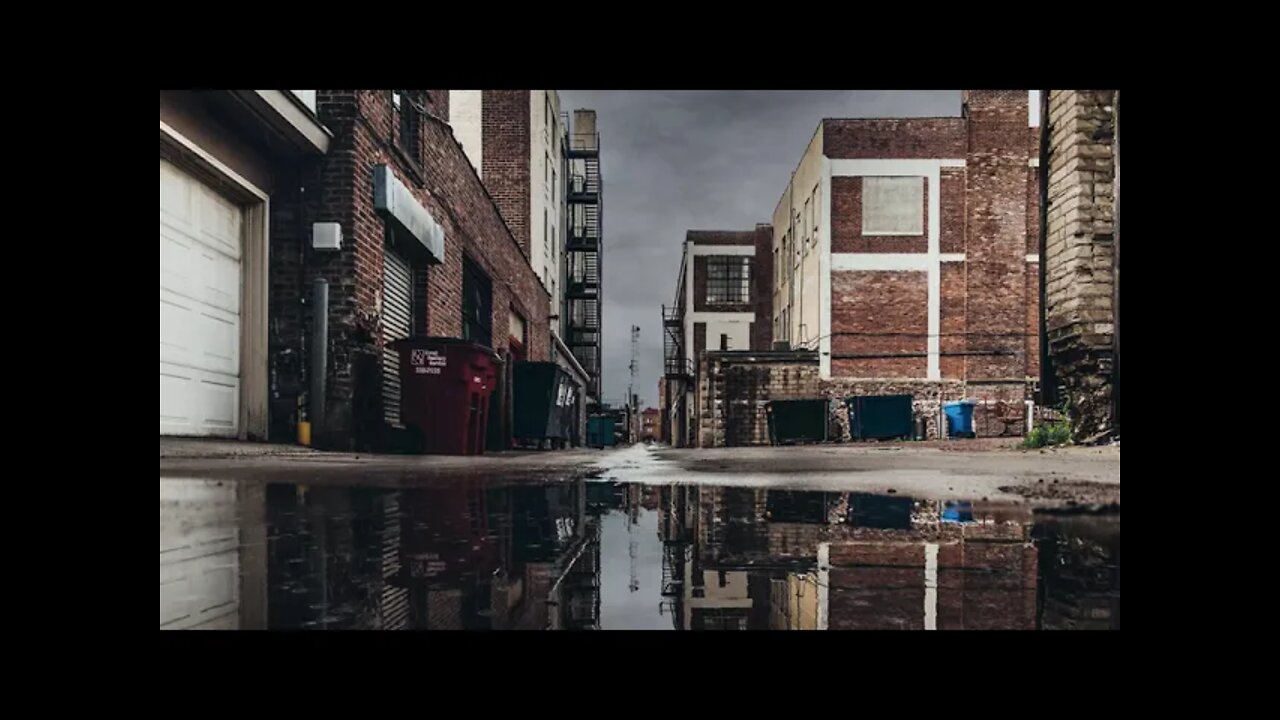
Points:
(905, 253)
(1081, 247)
(650, 425)
(734, 388)
(752, 558)
(520, 143)
(424, 250)
(723, 302)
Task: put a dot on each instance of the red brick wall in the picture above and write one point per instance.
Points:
(364, 123)
(877, 586)
(988, 210)
(505, 127)
(721, 237)
(879, 313)
(996, 241)
(899, 138)
(846, 223)
(951, 224)
(951, 344)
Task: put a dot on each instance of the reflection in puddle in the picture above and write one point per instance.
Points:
(472, 555)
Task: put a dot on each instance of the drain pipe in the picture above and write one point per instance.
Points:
(319, 352)
(1048, 384)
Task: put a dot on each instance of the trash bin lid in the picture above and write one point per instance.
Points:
(436, 342)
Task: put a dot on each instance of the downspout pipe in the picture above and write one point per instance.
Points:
(1048, 382)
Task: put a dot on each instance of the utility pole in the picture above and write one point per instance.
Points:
(634, 415)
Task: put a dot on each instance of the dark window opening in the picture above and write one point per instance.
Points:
(409, 108)
(477, 304)
(728, 280)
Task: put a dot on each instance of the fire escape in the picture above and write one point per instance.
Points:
(584, 254)
(678, 370)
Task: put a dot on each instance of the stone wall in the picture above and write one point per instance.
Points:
(1078, 255)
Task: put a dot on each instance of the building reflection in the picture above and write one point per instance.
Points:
(748, 559)
(1079, 573)
(462, 555)
(481, 554)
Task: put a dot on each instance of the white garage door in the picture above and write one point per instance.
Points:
(199, 556)
(200, 249)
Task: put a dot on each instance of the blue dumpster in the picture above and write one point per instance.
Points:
(959, 418)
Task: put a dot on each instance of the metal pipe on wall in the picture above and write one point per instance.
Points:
(319, 351)
(1048, 383)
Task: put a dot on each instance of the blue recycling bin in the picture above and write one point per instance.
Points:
(959, 418)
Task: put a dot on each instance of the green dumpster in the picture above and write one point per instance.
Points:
(600, 431)
(542, 402)
(879, 417)
(797, 421)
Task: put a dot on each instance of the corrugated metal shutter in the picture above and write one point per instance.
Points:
(397, 323)
(395, 599)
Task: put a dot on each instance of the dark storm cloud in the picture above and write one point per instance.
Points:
(716, 160)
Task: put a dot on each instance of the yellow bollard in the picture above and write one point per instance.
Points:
(304, 433)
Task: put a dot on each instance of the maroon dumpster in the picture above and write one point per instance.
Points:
(445, 384)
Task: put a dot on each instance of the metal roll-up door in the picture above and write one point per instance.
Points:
(397, 323)
(395, 598)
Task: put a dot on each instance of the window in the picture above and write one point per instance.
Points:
(409, 107)
(816, 218)
(477, 304)
(728, 280)
(807, 219)
(893, 206)
(548, 128)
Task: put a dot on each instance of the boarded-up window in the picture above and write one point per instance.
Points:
(893, 206)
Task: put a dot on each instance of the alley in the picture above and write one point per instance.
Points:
(853, 362)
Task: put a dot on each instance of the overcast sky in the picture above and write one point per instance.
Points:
(698, 160)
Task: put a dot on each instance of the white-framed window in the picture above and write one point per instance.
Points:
(728, 279)
(893, 205)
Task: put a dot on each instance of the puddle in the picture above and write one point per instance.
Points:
(595, 554)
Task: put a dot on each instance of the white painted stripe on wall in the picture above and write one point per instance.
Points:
(890, 168)
(722, 317)
(931, 586)
(951, 257)
(1033, 162)
(824, 272)
(1033, 257)
(824, 581)
(844, 262)
(700, 250)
